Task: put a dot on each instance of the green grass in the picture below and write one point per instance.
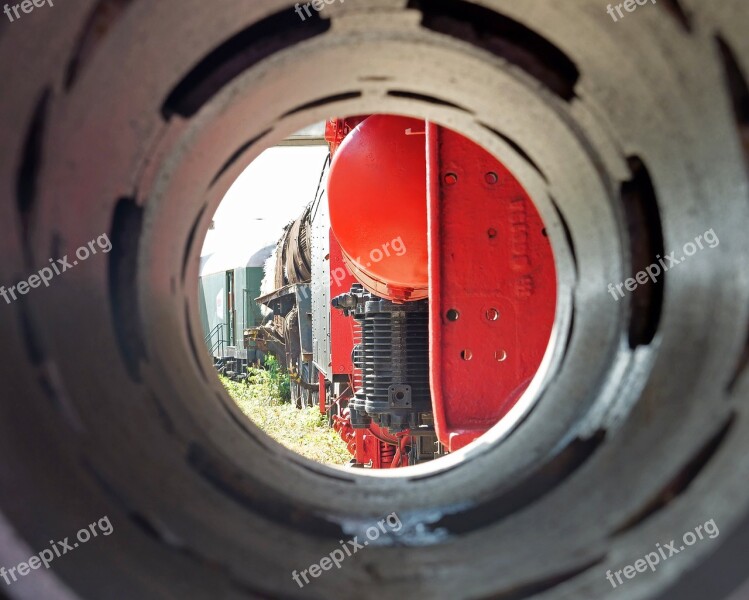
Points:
(304, 431)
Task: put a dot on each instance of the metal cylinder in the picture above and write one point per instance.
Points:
(294, 252)
(391, 358)
(377, 192)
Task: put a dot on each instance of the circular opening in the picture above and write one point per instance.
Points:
(308, 306)
(117, 398)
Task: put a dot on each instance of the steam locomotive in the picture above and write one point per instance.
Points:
(411, 351)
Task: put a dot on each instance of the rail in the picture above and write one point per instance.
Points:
(220, 343)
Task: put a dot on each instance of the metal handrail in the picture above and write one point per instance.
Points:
(218, 332)
(213, 331)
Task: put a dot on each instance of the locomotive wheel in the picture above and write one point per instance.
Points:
(132, 118)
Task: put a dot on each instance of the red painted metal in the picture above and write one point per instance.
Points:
(366, 445)
(341, 327)
(336, 131)
(491, 275)
(342, 426)
(492, 288)
(377, 196)
(368, 449)
(322, 394)
(373, 447)
(401, 455)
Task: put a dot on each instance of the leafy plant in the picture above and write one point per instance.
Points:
(279, 379)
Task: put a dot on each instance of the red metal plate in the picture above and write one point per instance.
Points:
(492, 288)
(341, 327)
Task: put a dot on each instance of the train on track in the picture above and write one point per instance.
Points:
(414, 298)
